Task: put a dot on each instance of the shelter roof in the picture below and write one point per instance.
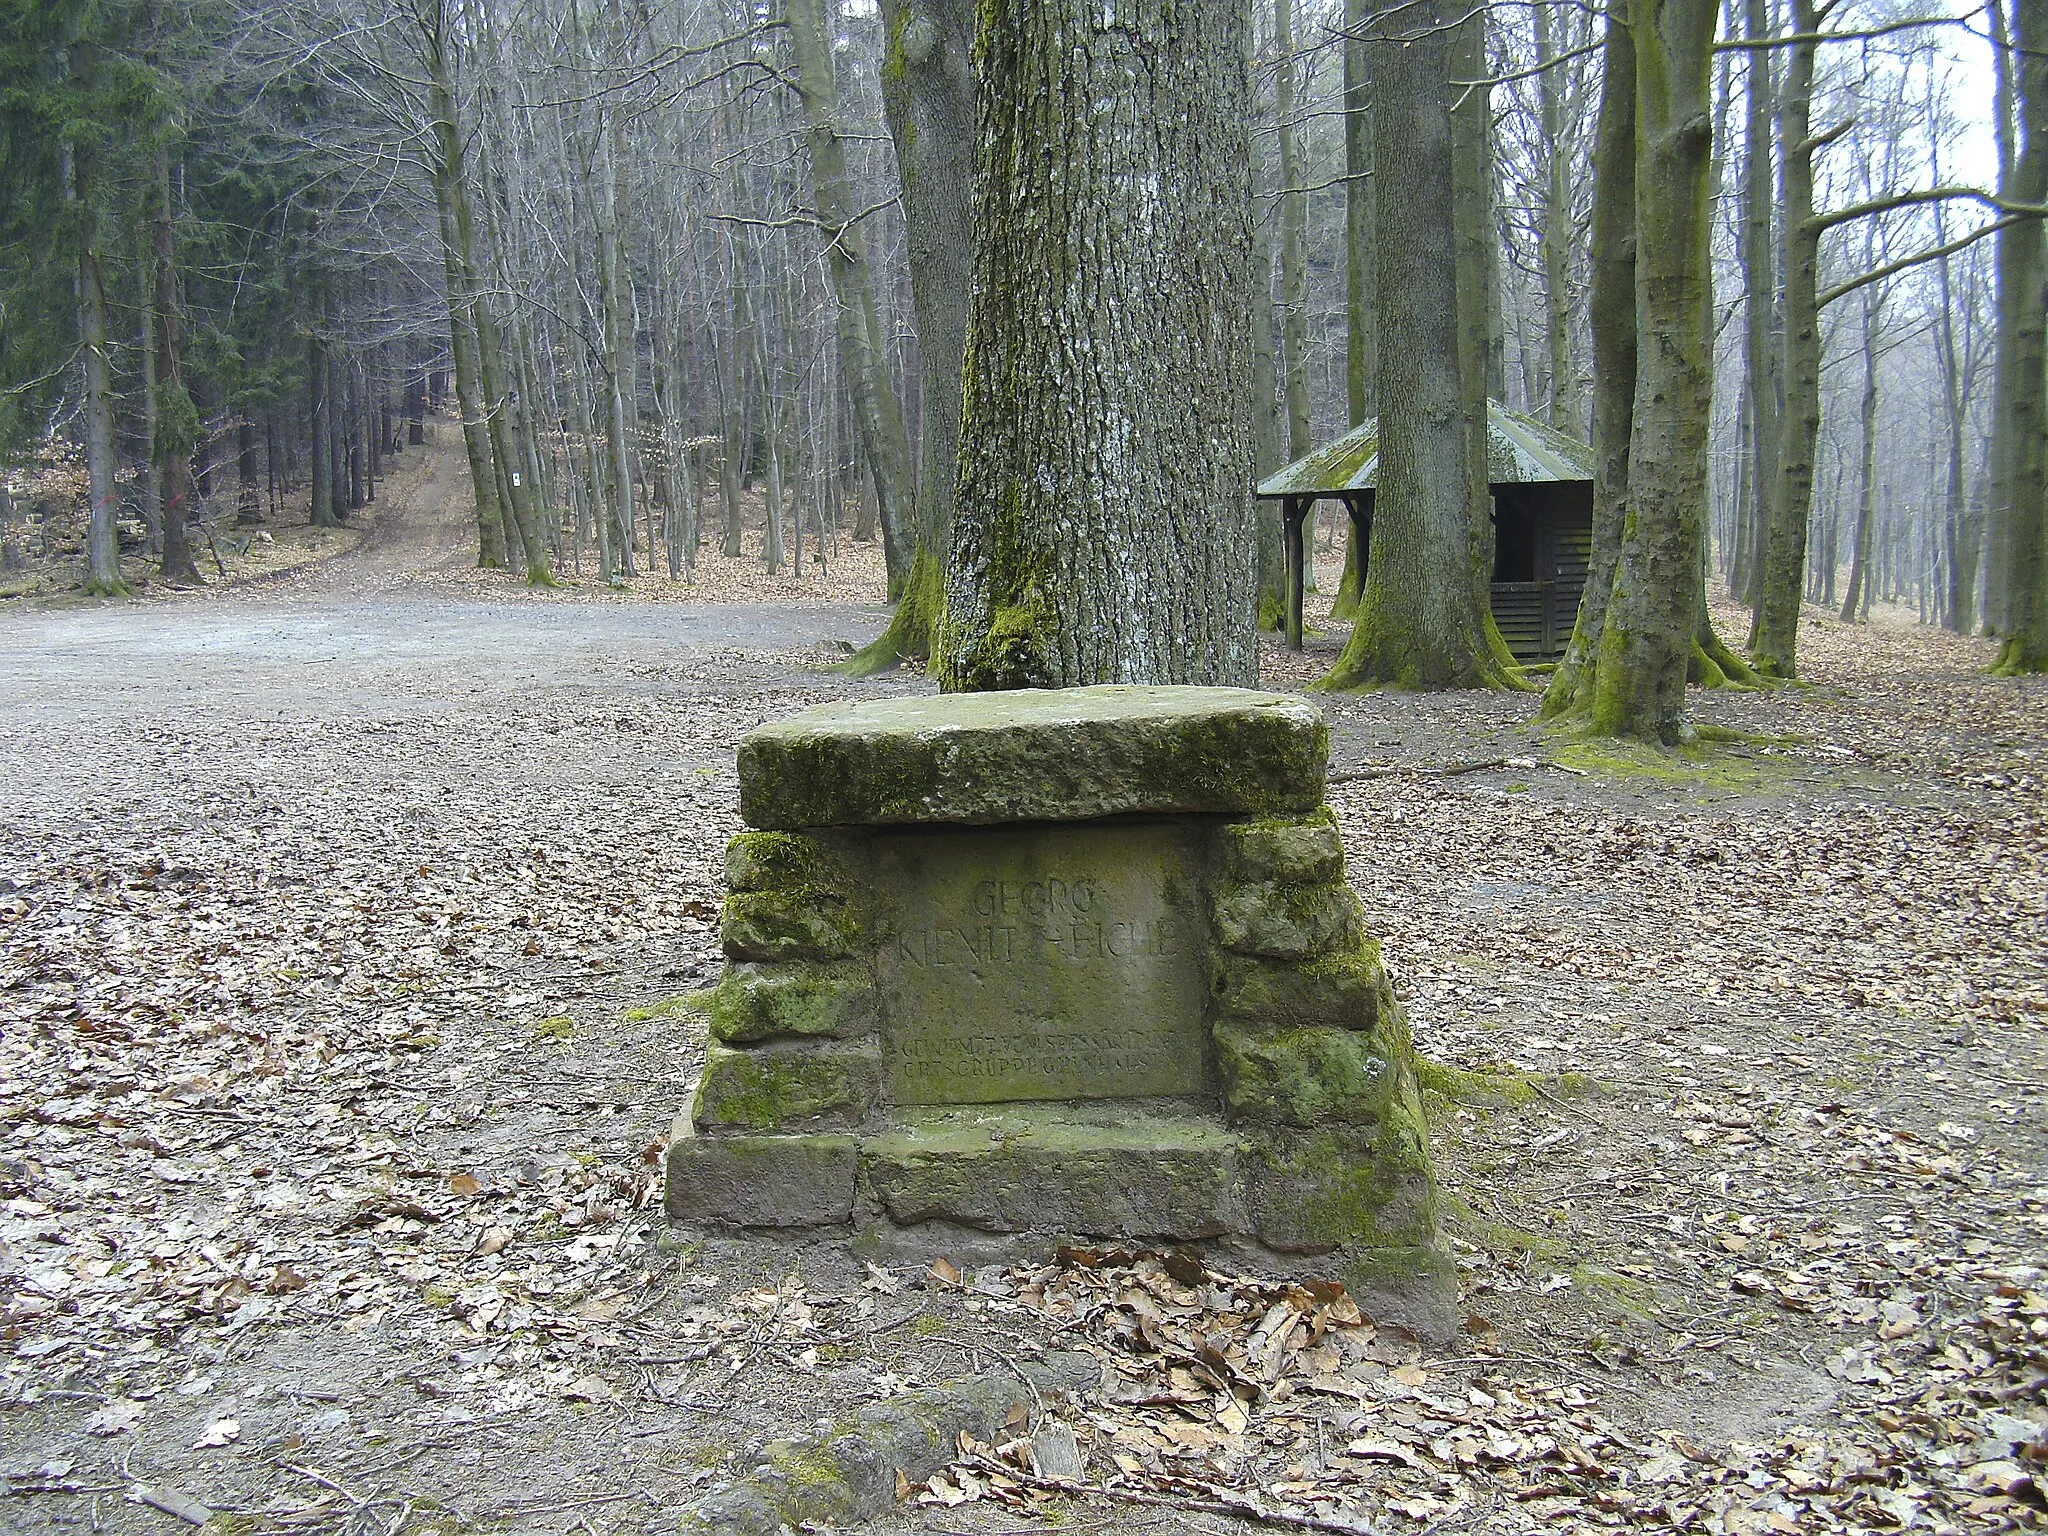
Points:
(1520, 450)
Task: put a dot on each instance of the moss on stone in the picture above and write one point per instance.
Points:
(1035, 755)
(788, 862)
(786, 925)
(1316, 1190)
(1303, 850)
(1456, 1085)
(1346, 988)
(768, 1087)
(561, 1027)
(666, 1008)
(759, 1002)
(1286, 921)
(1302, 1076)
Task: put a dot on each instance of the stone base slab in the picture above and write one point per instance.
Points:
(1142, 1170)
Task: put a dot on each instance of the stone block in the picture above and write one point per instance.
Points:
(1048, 963)
(1302, 1076)
(784, 925)
(1288, 922)
(1314, 1190)
(760, 1002)
(768, 1087)
(759, 1181)
(1125, 1172)
(1344, 989)
(1296, 850)
(785, 861)
(1036, 755)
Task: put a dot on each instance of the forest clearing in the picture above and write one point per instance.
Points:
(1738, 1113)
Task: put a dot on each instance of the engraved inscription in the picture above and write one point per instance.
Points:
(1052, 963)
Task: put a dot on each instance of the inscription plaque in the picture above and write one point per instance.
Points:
(1053, 963)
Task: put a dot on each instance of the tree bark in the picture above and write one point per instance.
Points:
(102, 542)
(1421, 621)
(1293, 211)
(1361, 338)
(1560, 406)
(1611, 311)
(863, 356)
(1774, 639)
(1647, 637)
(1103, 525)
(174, 423)
(2025, 421)
(1856, 601)
(928, 97)
(1760, 285)
(451, 196)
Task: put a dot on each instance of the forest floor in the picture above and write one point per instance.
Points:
(343, 918)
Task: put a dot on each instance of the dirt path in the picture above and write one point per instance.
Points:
(341, 922)
(422, 526)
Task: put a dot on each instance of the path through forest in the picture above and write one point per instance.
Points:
(350, 927)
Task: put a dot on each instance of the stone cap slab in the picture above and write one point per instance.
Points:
(1035, 754)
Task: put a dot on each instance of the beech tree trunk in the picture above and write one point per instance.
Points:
(2025, 420)
(102, 542)
(1647, 635)
(1561, 399)
(1421, 620)
(1611, 312)
(1103, 522)
(1760, 283)
(1774, 639)
(1361, 335)
(1856, 601)
(928, 97)
(863, 356)
(1293, 210)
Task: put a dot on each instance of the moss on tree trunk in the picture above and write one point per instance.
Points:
(1103, 523)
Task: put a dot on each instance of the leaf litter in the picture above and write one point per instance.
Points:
(335, 1116)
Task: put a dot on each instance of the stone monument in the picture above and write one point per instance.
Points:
(1078, 962)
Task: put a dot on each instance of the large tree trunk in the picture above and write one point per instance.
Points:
(1103, 524)
(1611, 311)
(2025, 419)
(1774, 640)
(1647, 638)
(2005, 308)
(928, 96)
(1421, 620)
(862, 353)
(1480, 360)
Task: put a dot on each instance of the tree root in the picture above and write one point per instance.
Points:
(910, 633)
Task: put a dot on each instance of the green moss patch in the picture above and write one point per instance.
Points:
(764, 1088)
(760, 1002)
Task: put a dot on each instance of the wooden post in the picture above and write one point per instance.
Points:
(1292, 510)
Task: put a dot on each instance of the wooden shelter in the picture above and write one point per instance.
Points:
(1542, 485)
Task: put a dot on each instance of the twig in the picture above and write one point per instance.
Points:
(1015, 1369)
